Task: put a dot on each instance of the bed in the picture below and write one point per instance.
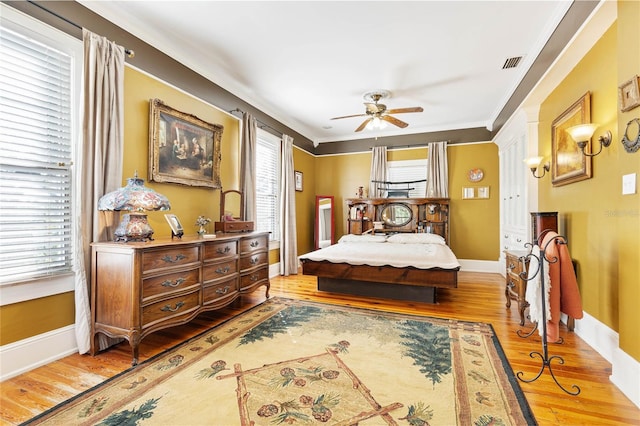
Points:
(401, 266)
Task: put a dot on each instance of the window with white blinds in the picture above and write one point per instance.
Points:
(268, 156)
(409, 170)
(36, 136)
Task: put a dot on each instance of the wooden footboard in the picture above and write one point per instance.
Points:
(436, 277)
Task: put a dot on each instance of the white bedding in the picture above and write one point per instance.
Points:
(421, 256)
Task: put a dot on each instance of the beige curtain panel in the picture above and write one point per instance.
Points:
(437, 171)
(378, 171)
(100, 170)
(248, 167)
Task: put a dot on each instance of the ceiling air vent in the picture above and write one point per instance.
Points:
(511, 62)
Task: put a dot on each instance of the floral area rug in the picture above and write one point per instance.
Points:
(293, 362)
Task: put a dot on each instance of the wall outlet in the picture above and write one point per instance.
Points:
(629, 184)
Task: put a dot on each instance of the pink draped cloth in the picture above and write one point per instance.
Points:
(564, 295)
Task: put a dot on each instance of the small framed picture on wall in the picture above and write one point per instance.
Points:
(298, 179)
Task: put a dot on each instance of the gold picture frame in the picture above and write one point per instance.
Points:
(629, 94)
(183, 148)
(569, 165)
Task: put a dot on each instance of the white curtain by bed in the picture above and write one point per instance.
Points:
(100, 170)
(437, 171)
(378, 171)
(288, 238)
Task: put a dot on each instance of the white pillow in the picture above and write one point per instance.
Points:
(367, 238)
(420, 238)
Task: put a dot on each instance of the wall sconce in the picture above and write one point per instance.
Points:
(534, 162)
(583, 132)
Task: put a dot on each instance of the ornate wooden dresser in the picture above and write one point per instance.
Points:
(140, 288)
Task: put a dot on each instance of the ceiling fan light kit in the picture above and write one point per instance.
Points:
(377, 113)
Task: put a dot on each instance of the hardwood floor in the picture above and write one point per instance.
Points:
(479, 297)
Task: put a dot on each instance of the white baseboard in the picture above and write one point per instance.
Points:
(625, 370)
(625, 374)
(274, 270)
(24, 355)
(468, 265)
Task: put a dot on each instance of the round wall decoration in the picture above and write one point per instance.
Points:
(475, 175)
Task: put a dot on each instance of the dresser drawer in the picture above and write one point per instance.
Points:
(248, 245)
(170, 257)
(234, 226)
(225, 289)
(171, 308)
(219, 249)
(219, 270)
(253, 278)
(168, 283)
(515, 265)
(515, 286)
(254, 260)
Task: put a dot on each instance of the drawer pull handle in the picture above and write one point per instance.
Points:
(176, 283)
(226, 249)
(254, 260)
(519, 240)
(178, 258)
(512, 266)
(167, 308)
(254, 243)
(223, 270)
(254, 277)
(224, 290)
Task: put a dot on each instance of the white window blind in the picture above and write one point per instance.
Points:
(268, 184)
(409, 170)
(35, 158)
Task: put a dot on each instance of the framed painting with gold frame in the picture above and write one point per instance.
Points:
(568, 163)
(183, 148)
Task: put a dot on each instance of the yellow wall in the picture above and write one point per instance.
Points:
(305, 200)
(22, 320)
(474, 224)
(628, 247)
(187, 202)
(601, 225)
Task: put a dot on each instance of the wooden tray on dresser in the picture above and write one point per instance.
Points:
(234, 226)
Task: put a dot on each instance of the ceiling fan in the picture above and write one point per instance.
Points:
(376, 113)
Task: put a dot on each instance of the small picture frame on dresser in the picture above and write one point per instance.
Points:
(175, 225)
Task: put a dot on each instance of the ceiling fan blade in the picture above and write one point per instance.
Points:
(348, 116)
(364, 124)
(403, 110)
(394, 121)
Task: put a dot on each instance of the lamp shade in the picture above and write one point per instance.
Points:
(533, 162)
(582, 132)
(134, 197)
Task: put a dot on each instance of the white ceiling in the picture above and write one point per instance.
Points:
(304, 62)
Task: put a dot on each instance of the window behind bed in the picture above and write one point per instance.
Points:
(408, 170)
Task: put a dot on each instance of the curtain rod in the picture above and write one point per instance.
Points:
(130, 53)
(419, 145)
(262, 125)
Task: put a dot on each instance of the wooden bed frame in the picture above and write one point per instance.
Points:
(390, 282)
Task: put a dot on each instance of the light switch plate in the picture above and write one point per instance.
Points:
(629, 184)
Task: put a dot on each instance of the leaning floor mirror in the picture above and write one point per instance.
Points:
(324, 229)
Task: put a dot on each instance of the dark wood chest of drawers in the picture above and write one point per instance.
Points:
(516, 279)
(139, 288)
